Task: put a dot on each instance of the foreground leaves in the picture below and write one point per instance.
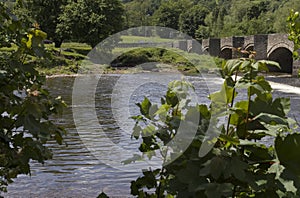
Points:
(240, 163)
(25, 106)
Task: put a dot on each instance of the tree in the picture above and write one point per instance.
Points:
(25, 106)
(192, 18)
(294, 31)
(91, 21)
(202, 32)
(46, 13)
(250, 17)
(169, 12)
(139, 13)
(214, 21)
(282, 13)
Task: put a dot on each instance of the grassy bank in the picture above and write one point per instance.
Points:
(68, 59)
(138, 39)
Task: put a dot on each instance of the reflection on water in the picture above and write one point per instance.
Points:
(74, 171)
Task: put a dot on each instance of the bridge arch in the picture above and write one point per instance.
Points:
(284, 56)
(280, 45)
(249, 47)
(226, 52)
(205, 49)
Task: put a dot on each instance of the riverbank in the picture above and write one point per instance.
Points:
(133, 62)
(120, 71)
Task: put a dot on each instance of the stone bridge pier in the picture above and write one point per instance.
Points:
(275, 47)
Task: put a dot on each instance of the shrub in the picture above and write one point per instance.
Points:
(237, 163)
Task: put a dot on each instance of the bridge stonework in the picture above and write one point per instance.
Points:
(274, 47)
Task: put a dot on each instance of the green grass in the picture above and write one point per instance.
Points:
(73, 47)
(138, 39)
(183, 61)
(8, 49)
(64, 60)
(68, 58)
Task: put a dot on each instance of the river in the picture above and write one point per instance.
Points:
(75, 171)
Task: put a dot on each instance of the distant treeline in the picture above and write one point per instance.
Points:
(212, 18)
(90, 21)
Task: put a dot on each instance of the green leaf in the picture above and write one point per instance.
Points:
(163, 111)
(261, 88)
(232, 66)
(262, 65)
(278, 107)
(259, 152)
(145, 107)
(238, 168)
(238, 113)
(171, 98)
(152, 111)
(215, 190)
(204, 111)
(229, 139)
(148, 130)
(221, 98)
(217, 167)
(188, 174)
(242, 105)
(246, 65)
(283, 105)
(136, 131)
(271, 119)
(287, 150)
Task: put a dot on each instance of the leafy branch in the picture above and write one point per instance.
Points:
(239, 164)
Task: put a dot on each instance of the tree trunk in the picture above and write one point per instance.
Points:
(57, 43)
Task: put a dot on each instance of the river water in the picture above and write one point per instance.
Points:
(76, 170)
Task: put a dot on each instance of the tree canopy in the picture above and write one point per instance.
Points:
(192, 18)
(90, 21)
(46, 14)
(220, 18)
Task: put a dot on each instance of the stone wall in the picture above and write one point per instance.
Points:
(273, 46)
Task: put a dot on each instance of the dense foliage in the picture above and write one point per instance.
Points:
(82, 21)
(254, 147)
(207, 18)
(294, 31)
(46, 14)
(25, 106)
(192, 18)
(145, 55)
(91, 21)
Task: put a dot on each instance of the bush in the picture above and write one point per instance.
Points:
(224, 158)
(143, 55)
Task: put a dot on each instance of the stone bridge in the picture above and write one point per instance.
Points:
(274, 47)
